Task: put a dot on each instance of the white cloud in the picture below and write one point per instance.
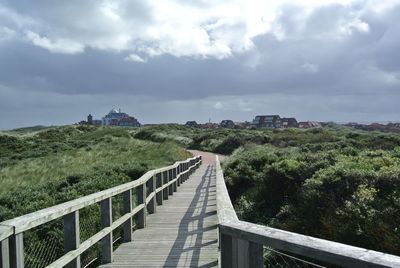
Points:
(354, 25)
(135, 58)
(207, 29)
(64, 46)
(310, 67)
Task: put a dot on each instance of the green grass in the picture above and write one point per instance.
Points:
(118, 151)
(53, 165)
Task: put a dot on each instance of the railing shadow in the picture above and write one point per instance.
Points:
(185, 234)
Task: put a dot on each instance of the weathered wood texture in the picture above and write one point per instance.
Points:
(183, 232)
(315, 248)
(40, 217)
(226, 212)
(12, 230)
(241, 242)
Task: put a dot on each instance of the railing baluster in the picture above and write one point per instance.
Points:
(152, 186)
(141, 197)
(72, 236)
(4, 254)
(127, 226)
(107, 241)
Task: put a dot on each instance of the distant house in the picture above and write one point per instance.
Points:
(227, 124)
(208, 125)
(118, 118)
(191, 124)
(90, 119)
(309, 124)
(289, 122)
(245, 124)
(267, 121)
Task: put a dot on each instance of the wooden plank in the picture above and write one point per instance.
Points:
(149, 198)
(5, 232)
(183, 232)
(226, 212)
(315, 248)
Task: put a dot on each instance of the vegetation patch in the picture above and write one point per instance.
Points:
(55, 165)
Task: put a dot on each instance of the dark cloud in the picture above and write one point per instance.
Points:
(336, 62)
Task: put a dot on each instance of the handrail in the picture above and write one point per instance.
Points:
(11, 231)
(315, 248)
(31, 220)
(241, 243)
(225, 209)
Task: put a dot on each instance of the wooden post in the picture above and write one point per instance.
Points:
(256, 255)
(186, 174)
(171, 186)
(228, 248)
(107, 241)
(72, 236)
(141, 196)
(176, 181)
(243, 253)
(179, 172)
(127, 226)
(165, 180)
(184, 169)
(152, 204)
(4, 254)
(160, 193)
(176, 175)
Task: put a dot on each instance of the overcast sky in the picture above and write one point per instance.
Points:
(179, 60)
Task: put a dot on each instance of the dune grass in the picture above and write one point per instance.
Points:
(119, 151)
(55, 165)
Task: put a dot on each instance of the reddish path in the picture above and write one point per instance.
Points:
(207, 157)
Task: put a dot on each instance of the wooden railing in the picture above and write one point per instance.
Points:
(151, 189)
(241, 243)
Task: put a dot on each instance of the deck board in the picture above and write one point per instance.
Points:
(182, 232)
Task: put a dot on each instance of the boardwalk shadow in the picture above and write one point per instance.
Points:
(192, 228)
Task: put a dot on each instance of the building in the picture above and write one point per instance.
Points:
(97, 122)
(309, 124)
(289, 122)
(90, 119)
(118, 118)
(208, 125)
(227, 124)
(191, 124)
(267, 121)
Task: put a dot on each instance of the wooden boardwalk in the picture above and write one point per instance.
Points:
(182, 232)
